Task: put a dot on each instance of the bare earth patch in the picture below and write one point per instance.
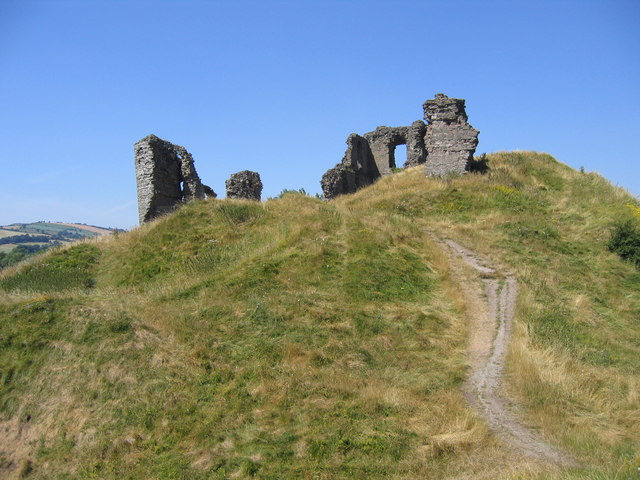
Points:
(492, 319)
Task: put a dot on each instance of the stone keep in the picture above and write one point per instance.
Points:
(166, 176)
(446, 144)
(245, 184)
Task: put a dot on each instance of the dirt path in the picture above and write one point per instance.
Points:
(492, 320)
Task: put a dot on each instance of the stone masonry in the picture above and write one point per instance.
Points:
(384, 140)
(166, 176)
(446, 145)
(450, 141)
(245, 184)
(357, 169)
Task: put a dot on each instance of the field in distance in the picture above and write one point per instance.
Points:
(20, 240)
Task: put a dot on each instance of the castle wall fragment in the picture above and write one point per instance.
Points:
(445, 144)
(165, 176)
(245, 184)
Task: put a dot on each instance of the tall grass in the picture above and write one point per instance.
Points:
(61, 270)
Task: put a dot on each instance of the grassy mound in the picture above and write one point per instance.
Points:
(307, 339)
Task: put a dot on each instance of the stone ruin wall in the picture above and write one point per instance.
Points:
(450, 141)
(384, 140)
(445, 144)
(245, 184)
(357, 169)
(166, 176)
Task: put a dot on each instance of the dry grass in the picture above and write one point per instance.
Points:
(304, 339)
(580, 387)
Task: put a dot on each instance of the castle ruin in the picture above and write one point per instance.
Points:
(165, 176)
(445, 144)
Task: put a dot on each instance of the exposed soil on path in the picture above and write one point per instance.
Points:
(492, 313)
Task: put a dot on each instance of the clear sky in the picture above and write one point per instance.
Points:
(277, 86)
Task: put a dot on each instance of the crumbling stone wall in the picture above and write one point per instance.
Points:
(384, 140)
(450, 140)
(357, 169)
(165, 176)
(416, 150)
(445, 145)
(245, 184)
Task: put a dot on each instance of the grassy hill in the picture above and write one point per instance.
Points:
(306, 339)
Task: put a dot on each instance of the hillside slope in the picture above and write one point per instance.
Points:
(19, 240)
(307, 339)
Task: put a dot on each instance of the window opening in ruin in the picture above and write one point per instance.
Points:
(399, 156)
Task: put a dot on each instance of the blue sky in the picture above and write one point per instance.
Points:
(277, 86)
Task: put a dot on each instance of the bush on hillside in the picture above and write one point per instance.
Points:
(479, 164)
(625, 241)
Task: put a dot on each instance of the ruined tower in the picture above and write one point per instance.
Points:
(166, 176)
(450, 141)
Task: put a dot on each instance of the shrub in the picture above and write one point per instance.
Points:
(479, 164)
(625, 241)
(300, 191)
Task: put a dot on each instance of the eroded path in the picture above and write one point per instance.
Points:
(492, 318)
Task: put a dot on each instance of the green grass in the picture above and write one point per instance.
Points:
(62, 270)
(298, 338)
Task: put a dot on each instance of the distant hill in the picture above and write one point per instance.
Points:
(20, 240)
(305, 339)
